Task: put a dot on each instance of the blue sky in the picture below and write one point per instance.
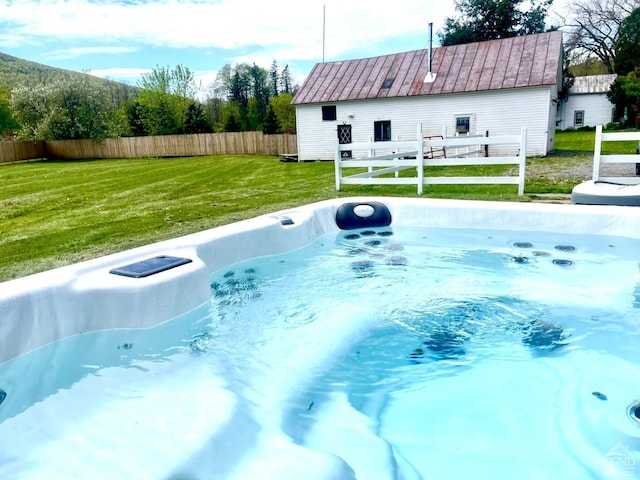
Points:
(121, 39)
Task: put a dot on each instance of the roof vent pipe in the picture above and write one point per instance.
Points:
(430, 75)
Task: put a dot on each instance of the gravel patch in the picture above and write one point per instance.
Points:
(575, 169)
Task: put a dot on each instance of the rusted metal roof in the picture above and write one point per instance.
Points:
(526, 61)
(592, 84)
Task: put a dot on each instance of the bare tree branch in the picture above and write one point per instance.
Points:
(592, 28)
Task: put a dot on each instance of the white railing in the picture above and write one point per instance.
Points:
(600, 159)
(384, 158)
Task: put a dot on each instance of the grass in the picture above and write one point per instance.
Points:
(57, 213)
(584, 141)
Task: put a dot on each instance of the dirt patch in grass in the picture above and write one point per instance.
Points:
(575, 168)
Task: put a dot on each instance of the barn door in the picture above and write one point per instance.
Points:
(344, 137)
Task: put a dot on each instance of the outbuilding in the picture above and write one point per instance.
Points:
(587, 104)
(495, 87)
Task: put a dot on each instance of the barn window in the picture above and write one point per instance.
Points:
(463, 125)
(387, 82)
(329, 112)
(578, 118)
(382, 131)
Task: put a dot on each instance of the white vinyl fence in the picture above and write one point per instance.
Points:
(600, 159)
(385, 158)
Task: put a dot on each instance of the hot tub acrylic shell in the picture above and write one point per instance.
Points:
(45, 307)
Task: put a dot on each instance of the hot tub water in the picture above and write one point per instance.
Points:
(382, 353)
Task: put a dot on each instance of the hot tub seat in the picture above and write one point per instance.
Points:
(606, 193)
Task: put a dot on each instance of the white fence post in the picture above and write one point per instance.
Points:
(600, 158)
(420, 159)
(372, 152)
(338, 166)
(523, 160)
(597, 151)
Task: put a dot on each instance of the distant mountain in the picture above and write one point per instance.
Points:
(16, 72)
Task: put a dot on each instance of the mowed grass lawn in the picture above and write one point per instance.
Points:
(56, 213)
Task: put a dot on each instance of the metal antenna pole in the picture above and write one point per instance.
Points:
(323, 30)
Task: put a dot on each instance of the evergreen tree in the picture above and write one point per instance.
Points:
(270, 125)
(260, 91)
(232, 125)
(248, 90)
(239, 95)
(274, 80)
(196, 120)
(285, 80)
(136, 114)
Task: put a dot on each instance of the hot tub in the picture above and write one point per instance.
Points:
(281, 432)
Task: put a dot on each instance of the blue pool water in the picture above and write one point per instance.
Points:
(383, 353)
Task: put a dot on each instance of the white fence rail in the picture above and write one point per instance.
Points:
(600, 159)
(392, 157)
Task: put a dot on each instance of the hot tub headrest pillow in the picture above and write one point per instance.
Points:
(351, 216)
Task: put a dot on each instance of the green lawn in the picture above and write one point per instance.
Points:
(584, 141)
(56, 213)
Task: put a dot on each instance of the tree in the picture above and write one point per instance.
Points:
(285, 112)
(164, 101)
(481, 20)
(245, 91)
(215, 109)
(65, 109)
(154, 113)
(137, 114)
(260, 92)
(270, 125)
(627, 45)
(624, 93)
(232, 125)
(285, 80)
(274, 84)
(8, 124)
(196, 120)
(568, 78)
(593, 27)
(239, 95)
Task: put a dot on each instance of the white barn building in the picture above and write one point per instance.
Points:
(498, 86)
(587, 104)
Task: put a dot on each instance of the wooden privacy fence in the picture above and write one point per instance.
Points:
(230, 143)
(18, 151)
(385, 160)
(600, 159)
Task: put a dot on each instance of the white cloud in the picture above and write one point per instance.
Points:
(238, 24)
(81, 51)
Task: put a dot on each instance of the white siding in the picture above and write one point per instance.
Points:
(598, 110)
(500, 112)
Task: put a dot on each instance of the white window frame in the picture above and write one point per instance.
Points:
(469, 118)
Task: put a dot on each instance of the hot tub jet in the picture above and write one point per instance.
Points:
(634, 411)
